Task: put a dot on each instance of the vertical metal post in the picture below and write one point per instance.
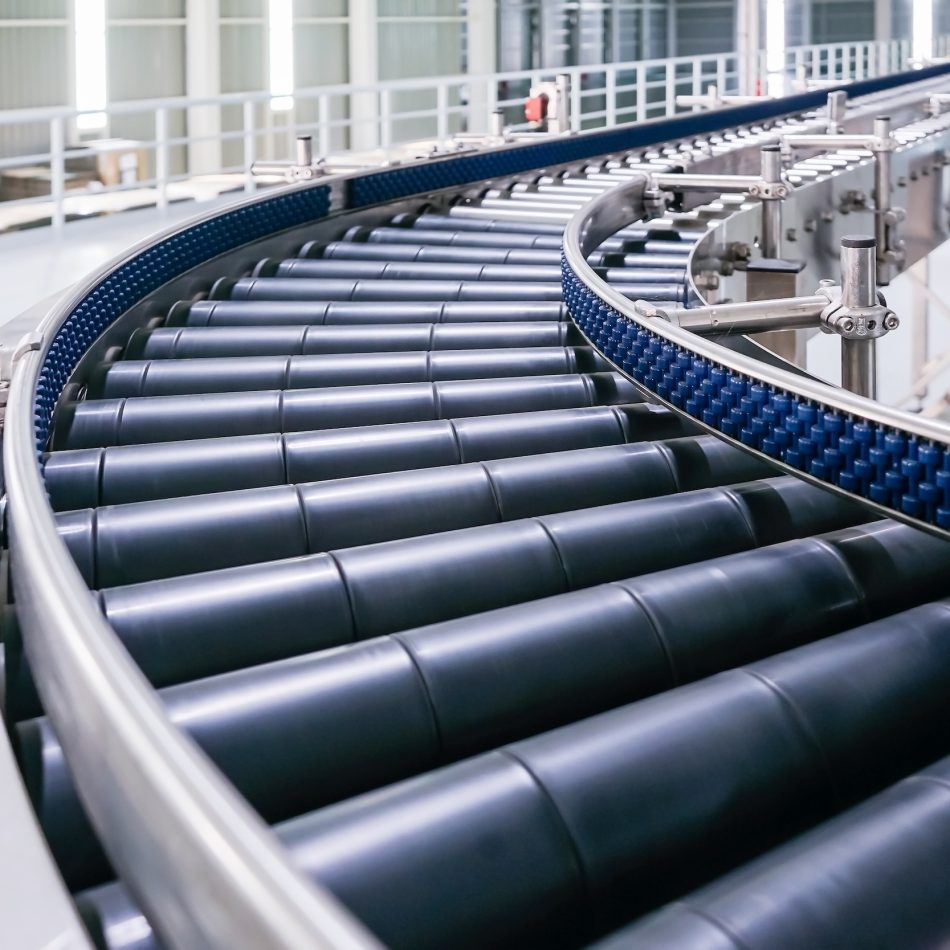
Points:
(859, 289)
(920, 339)
(569, 89)
(304, 151)
(721, 73)
(161, 157)
(610, 92)
(57, 169)
(385, 119)
(323, 120)
(670, 88)
(441, 112)
(250, 146)
(641, 94)
(771, 207)
(498, 123)
(837, 106)
(882, 185)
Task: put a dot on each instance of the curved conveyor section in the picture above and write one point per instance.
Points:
(506, 654)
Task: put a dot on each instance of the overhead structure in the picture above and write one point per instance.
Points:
(453, 520)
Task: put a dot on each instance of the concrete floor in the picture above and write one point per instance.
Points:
(39, 264)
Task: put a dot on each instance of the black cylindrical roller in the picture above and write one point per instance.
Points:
(461, 237)
(173, 377)
(475, 238)
(195, 342)
(414, 581)
(330, 289)
(489, 679)
(439, 253)
(456, 222)
(873, 877)
(171, 418)
(148, 540)
(246, 313)
(725, 768)
(412, 270)
(86, 478)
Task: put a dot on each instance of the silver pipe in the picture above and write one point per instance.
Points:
(756, 316)
(882, 187)
(278, 169)
(720, 184)
(858, 272)
(837, 106)
(304, 150)
(771, 207)
(498, 123)
(859, 367)
(838, 141)
(859, 289)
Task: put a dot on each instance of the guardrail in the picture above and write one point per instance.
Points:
(198, 860)
(225, 135)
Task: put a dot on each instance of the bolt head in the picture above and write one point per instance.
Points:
(847, 326)
(892, 321)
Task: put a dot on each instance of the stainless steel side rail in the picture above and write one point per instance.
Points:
(204, 867)
(621, 206)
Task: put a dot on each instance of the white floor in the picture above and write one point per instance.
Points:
(41, 263)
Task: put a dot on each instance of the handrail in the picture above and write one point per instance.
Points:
(401, 85)
(203, 865)
(585, 291)
(625, 88)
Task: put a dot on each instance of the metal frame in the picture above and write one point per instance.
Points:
(623, 205)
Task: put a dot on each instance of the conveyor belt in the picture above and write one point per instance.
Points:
(509, 656)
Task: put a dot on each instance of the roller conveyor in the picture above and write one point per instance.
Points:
(506, 652)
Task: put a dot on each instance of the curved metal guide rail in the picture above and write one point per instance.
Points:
(325, 515)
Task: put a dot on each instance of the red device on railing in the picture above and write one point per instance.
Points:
(536, 108)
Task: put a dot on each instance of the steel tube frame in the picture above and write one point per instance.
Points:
(619, 208)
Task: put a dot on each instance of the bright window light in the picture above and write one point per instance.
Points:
(280, 37)
(922, 41)
(89, 40)
(775, 46)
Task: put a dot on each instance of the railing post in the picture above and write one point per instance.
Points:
(161, 157)
(697, 78)
(858, 291)
(721, 73)
(641, 94)
(576, 101)
(670, 88)
(323, 121)
(57, 170)
(385, 119)
(250, 146)
(441, 112)
(610, 93)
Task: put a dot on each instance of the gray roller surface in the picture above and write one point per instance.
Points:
(508, 655)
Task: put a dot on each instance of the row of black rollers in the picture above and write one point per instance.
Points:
(427, 571)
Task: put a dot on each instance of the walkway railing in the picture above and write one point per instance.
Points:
(226, 134)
